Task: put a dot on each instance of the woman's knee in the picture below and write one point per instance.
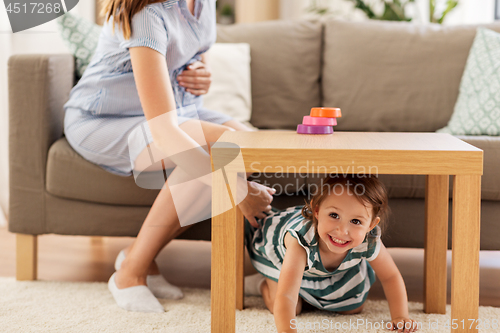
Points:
(237, 125)
(213, 134)
(214, 131)
(224, 128)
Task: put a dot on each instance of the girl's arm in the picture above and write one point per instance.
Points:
(157, 99)
(287, 294)
(394, 288)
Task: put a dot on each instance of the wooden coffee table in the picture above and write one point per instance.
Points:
(435, 155)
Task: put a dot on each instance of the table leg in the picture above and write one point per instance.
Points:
(223, 275)
(240, 259)
(436, 243)
(465, 255)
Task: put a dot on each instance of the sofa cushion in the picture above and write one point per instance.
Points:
(477, 110)
(81, 36)
(230, 91)
(394, 76)
(413, 186)
(285, 69)
(71, 176)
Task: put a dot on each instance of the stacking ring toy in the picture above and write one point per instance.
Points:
(310, 129)
(308, 120)
(326, 112)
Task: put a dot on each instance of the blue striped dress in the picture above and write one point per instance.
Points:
(343, 289)
(104, 109)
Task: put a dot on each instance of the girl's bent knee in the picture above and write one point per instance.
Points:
(299, 306)
(354, 311)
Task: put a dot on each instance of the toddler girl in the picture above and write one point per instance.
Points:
(327, 252)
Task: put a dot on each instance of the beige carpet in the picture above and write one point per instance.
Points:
(43, 306)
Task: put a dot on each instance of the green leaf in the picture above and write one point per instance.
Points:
(450, 4)
(364, 7)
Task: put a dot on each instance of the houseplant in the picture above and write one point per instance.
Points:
(393, 10)
(226, 14)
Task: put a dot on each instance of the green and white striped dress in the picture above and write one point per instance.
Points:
(345, 288)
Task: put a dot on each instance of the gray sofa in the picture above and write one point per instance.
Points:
(385, 76)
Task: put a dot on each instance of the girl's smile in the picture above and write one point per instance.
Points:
(338, 242)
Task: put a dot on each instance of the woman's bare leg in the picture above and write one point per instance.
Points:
(159, 228)
(161, 224)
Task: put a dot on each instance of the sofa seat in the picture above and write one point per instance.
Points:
(70, 176)
(403, 186)
(100, 186)
(413, 186)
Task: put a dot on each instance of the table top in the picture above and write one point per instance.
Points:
(283, 139)
(388, 152)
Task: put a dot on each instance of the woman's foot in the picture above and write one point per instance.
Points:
(137, 298)
(158, 285)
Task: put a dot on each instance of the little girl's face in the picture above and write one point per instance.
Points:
(343, 222)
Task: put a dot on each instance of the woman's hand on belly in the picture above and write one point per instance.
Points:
(196, 79)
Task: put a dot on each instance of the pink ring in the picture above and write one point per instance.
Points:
(319, 121)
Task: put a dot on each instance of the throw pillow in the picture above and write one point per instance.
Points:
(81, 37)
(477, 110)
(230, 91)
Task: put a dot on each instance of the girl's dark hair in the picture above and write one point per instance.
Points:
(368, 189)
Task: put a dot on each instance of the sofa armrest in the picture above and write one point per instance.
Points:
(490, 184)
(39, 85)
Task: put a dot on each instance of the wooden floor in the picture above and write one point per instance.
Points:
(187, 263)
(81, 258)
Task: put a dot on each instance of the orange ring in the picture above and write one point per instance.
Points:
(326, 112)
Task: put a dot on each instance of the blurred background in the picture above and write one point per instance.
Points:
(45, 38)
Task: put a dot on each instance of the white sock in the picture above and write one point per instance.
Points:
(137, 298)
(253, 284)
(161, 288)
(119, 259)
(158, 285)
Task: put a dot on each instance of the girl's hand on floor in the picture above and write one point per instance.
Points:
(405, 325)
(257, 202)
(196, 78)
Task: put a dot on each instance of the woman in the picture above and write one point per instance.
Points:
(149, 72)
